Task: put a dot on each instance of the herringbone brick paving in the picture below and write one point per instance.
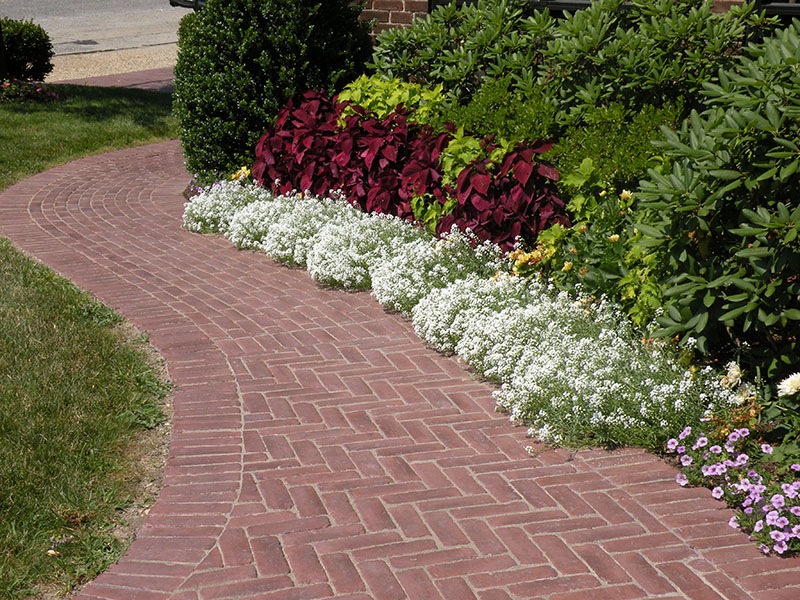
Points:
(319, 450)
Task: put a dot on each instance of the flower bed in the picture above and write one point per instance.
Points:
(572, 368)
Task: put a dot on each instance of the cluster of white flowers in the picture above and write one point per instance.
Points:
(212, 210)
(570, 366)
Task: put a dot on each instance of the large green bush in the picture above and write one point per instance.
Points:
(239, 61)
(460, 47)
(651, 52)
(26, 51)
(724, 220)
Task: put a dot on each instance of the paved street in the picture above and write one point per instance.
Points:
(100, 25)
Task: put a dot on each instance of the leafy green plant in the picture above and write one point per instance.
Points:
(240, 60)
(382, 96)
(497, 108)
(652, 53)
(26, 50)
(618, 142)
(460, 46)
(724, 220)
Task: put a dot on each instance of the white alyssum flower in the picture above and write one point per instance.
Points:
(789, 386)
(425, 264)
(570, 367)
(212, 210)
(346, 252)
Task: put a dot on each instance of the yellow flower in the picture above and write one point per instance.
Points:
(567, 266)
(602, 193)
(626, 195)
(613, 238)
(242, 174)
(583, 228)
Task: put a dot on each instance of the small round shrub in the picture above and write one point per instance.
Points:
(239, 61)
(26, 51)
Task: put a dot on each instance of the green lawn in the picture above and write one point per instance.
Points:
(87, 121)
(75, 391)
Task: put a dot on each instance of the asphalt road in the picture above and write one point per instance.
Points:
(85, 26)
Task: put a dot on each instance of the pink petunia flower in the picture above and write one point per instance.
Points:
(766, 448)
(684, 433)
(672, 444)
(734, 522)
(780, 547)
(778, 501)
(715, 449)
(681, 479)
(717, 492)
(686, 460)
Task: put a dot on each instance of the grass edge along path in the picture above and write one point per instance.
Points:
(85, 398)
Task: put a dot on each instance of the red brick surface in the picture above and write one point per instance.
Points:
(320, 450)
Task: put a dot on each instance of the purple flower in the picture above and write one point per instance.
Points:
(795, 467)
(729, 447)
(705, 470)
(796, 531)
(795, 510)
(680, 449)
(717, 492)
(715, 449)
(748, 510)
(686, 460)
(681, 479)
(764, 548)
(733, 436)
(766, 448)
(780, 547)
(672, 444)
(741, 460)
(743, 432)
(772, 517)
(733, 522)
(684, 433)
(778, 501)
(781, 522)
(778, 536)
(758, 526)
(701, 441)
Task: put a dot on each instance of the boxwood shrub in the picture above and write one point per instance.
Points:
(240, 60)
(25, 50)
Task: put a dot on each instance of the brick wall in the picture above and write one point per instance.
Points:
(393, 13)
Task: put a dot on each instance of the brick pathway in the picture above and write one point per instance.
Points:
(321, 451)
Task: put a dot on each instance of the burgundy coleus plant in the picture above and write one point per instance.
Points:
(516, 198)
(381, 164)
(298, 148)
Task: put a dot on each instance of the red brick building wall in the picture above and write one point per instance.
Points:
(393, 13)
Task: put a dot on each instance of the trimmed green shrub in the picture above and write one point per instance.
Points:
(239, 61)
(26, 51)
(724, 220)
